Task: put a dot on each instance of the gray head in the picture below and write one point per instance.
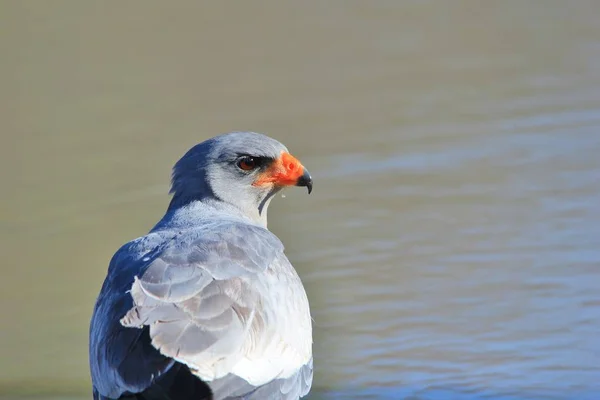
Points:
(244, 169)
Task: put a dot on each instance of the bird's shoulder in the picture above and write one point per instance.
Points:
(184, 260)
(220, 236)
(170, 264)
(211, 297)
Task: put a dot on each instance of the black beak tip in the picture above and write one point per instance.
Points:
(305, 180)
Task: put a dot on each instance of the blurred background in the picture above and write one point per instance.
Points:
(451, 247)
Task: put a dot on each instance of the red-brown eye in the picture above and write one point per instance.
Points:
(247, 163)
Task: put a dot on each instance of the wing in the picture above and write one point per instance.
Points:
(207, 302)
(291, 388)
(122, 360)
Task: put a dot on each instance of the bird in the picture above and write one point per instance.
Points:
(206, 305)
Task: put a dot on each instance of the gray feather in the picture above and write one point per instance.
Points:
(233, 387)
(200, 299)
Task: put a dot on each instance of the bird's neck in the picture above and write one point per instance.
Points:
(192, 212)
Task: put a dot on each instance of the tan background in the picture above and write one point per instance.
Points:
(452, 239)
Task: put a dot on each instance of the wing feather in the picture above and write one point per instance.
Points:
(202, 300)
(216, 298)
(234, 387)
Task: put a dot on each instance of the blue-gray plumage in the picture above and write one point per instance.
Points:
(207, 305)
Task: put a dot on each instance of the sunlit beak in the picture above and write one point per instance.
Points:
(285, 171)
(305, 180)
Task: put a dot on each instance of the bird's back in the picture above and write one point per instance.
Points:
(273, 359)
(122, 360)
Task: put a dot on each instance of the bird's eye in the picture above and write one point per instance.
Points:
(247, 163)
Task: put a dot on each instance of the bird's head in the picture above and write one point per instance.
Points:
(244, 169)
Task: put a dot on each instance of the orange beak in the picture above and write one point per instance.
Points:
(285, 171)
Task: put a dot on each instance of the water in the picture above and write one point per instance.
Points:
(450, 247)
